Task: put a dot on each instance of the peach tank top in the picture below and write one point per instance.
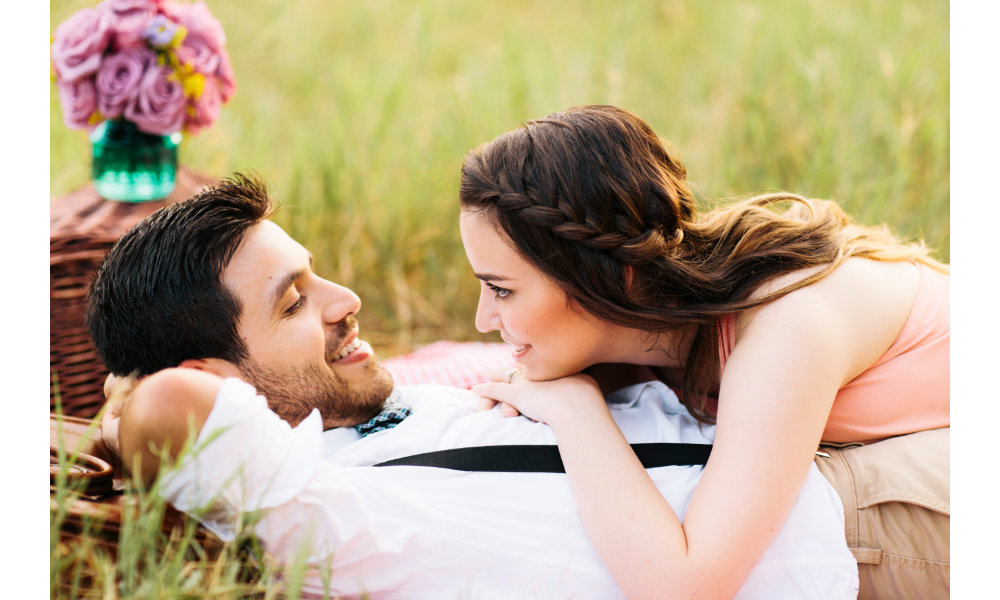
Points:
(908, 388)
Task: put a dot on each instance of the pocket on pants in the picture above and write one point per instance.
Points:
(897, 506)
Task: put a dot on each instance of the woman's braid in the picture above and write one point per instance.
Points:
(631, 243)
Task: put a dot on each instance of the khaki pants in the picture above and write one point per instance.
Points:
(897, 507)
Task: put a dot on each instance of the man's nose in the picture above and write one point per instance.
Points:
(487, 315)
(340, 303)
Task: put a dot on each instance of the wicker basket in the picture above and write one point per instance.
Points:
(83, 227)
(94, 516)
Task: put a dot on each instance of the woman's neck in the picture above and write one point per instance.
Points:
(667, 350)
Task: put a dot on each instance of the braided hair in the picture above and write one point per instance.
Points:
(594, 199)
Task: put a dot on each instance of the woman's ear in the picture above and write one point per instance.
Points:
(629, 274)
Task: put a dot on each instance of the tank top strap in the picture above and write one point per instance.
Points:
(727, 338)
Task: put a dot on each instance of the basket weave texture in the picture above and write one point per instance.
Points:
(82, 228)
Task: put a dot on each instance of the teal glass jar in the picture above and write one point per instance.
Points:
(132, 166)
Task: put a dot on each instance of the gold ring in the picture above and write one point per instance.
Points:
(511, 372)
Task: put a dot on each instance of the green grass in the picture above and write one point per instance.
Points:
(150, 562)
(359, 113)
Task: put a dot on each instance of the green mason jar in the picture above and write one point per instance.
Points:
(132, 166)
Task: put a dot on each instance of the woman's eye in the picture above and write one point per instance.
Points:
(500, 292)
(295, 307)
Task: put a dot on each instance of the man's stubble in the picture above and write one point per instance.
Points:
(292, 392)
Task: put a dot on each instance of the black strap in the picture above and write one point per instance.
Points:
(544, 459)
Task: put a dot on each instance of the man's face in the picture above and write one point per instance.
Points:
(297, 327)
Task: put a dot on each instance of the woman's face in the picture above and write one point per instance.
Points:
(532, 313)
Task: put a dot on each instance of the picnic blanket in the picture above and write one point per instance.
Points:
(458, 364)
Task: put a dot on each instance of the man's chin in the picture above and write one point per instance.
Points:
(345, 397)
(362, 373)
(366, 399)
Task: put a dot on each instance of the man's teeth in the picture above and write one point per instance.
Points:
(350, 347)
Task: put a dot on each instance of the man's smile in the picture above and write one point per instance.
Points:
(349, 348)
(353, 351)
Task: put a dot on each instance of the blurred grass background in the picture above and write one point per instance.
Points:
(359, 113)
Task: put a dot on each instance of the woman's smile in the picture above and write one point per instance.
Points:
(523, 304)
(519, 350)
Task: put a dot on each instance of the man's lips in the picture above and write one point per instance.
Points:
(349, 339)
(353, 350)
(358, 354)
(349, 348)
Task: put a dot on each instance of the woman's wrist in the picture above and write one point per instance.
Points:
(581, 416)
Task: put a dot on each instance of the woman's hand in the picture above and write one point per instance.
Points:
(116, 390)
(543, 401)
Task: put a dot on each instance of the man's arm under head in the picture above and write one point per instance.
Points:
(159, 415)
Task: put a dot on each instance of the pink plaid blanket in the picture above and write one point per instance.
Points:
(459, 364)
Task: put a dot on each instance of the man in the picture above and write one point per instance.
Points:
(210, 286)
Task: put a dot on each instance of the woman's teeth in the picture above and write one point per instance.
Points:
(520, 349)
(349, 348)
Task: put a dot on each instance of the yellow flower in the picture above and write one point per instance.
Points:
(95, 118)
(179, 36)
(193, 84)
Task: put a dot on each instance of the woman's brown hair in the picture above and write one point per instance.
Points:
(587, 193)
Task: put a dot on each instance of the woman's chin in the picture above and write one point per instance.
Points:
(537, 368)
(543, 372)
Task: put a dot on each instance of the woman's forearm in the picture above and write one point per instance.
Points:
(631, 525)
(634, 529)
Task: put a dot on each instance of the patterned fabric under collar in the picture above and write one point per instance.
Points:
(393, 413)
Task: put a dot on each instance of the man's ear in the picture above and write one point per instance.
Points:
(215, 366)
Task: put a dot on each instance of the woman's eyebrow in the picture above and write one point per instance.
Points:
(491, 277)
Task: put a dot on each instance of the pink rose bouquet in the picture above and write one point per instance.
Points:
(161, 64)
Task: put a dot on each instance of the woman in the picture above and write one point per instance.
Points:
(783, 329)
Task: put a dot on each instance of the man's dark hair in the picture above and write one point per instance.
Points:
(158, 298)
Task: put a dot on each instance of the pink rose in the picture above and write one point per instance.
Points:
(198, 20)
(196, 52)
(129, 19)
(126, 5)
(227, 78)
(159, 107)
(80, 42)
(206, 108)
(79, 101)
(118, 79)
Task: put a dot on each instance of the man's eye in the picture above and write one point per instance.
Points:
(295, 307)
(501, 293)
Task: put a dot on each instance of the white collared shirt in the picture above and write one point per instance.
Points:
(419, 532)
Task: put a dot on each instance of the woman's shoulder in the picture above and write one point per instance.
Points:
(866, 301)
(854, 275)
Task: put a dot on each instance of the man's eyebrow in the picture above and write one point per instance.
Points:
(491, 277)
(279, 290)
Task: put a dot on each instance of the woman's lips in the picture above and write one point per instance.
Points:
(519, 351)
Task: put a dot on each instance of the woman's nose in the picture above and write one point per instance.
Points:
(487, 316)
